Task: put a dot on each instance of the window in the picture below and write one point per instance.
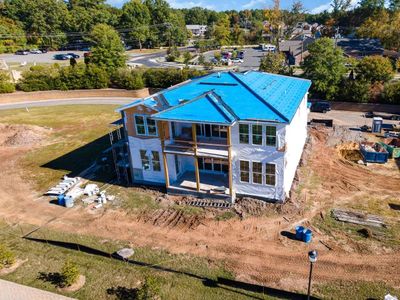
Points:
(270, 174)
(156, 161)
(140, 125)
(244, 171)
(145, 126)
(270, 132)
(151, 127)
(145, 160)
(257, 134)
(257, 172)
(243, 133)
(208, 130)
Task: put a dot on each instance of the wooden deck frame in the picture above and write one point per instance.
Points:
(196, 161)
(230, 161)
(166, 173)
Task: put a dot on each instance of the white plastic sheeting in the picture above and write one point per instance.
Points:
(263, 154)
(296, 136)
(154, 144)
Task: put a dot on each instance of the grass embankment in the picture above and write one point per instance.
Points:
(178, 276)
(78, 136)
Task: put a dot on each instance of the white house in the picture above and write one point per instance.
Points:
(197, 30)
(220, 136)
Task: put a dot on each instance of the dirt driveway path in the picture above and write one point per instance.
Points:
(253, 248)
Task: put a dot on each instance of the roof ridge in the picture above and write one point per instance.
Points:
(215, 103)
(259, 97)
(226, 106)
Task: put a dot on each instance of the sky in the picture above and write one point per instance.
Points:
(312, 6)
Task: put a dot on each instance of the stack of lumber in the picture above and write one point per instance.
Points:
(356, 217)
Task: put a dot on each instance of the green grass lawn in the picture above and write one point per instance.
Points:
(79, 134)
(178, 276)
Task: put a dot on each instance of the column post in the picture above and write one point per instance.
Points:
(196, 162)
(162, 137)
(230, 160)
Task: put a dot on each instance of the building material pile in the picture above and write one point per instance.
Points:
(356, 217)
(65, 185)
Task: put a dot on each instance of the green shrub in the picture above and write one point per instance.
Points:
(69, 273)
(7, 257)
(149, 290)
(39, 78)
(82, 76)
(163, 78)
(128, 79)
(375, 68)
(391, 93)
(6, 86)
(354, 91)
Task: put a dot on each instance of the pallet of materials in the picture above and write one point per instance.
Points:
(63, 186)
(356, 217)
(392, 145)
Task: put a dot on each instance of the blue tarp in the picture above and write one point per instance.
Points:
(227, 97)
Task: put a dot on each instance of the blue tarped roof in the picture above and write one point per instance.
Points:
(227, 97)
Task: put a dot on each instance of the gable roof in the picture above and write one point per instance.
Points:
(227, 97)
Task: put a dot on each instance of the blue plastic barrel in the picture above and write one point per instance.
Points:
(61, 200)
(299, 232)
(307, 235)
(69, 202)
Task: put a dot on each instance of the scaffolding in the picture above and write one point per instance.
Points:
(120, 151)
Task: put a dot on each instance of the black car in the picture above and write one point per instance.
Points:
(22, 52)
(386, 116)
(322, 107)
(73, 55)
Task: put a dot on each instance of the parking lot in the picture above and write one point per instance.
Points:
(11, 58)
(251, 59)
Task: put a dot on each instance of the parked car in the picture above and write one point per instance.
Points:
(73, 55)
(237, 60)
(22, 52)
(35, 51)
(44, 50)
(214, 60)
(320, 106)
(386, 116)
(241, 54)
(61, 57)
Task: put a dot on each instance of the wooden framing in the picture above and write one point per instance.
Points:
(230, 160)
(196, 161)
(162, 136)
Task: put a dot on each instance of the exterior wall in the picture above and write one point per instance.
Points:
(296, 135)
(263, 154)
(130, 121)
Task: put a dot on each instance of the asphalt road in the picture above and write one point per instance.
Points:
(37, 58)
(54, 102)
(148, 60)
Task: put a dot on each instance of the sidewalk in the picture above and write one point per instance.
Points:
(13, 291)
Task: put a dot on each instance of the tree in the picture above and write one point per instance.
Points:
(340, 6)
(295, 15)
(237, 35)
(394, 5)
(274, 63)
(391, 93)
(187, 57)
(160, 20)
(325, 67)
(374, 69)
(13, 36)
(107, 50)
(221, 30)
(7, 257)
(136, 16)
(383, 26)
(354, 91)
(69, 273)
(6, 86)
(372, 5)
(275, 23)
(43, 20)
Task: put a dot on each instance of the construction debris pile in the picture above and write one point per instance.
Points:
(357, 217)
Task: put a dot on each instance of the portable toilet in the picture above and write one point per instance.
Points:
(377, 124)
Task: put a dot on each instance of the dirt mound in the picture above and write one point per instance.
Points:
(171, 218)
(349, 151)
(21, 135)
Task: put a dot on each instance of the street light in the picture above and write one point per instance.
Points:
(312, 256)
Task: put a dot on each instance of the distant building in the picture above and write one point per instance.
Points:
(197, 30)
(359, 48)
(296, 49)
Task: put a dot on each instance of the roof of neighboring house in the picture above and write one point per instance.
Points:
(194, 27)
(294, 46)
(360, 47)
(227, 97)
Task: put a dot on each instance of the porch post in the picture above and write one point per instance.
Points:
(230, 160)
(162, 136)
(196, 162)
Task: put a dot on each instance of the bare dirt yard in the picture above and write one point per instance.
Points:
(253, 239)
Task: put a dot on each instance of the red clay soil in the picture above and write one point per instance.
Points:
(253, 247)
